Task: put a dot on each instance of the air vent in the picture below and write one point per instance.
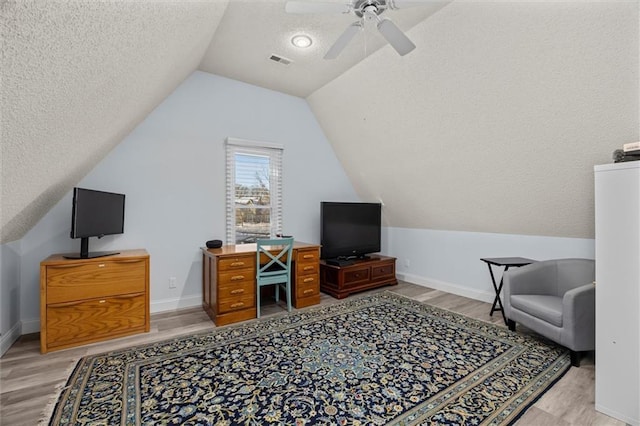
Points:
(280, 59)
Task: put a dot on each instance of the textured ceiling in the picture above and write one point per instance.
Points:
(253, 30)
(77, 77)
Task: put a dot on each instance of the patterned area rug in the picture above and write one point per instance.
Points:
(374, 360)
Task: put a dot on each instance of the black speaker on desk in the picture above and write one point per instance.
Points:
(214, 244)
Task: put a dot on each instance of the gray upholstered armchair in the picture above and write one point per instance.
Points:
(554, 298)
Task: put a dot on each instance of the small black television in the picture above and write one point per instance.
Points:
(95, 214)
(349, 230)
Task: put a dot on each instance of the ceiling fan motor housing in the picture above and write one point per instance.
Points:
(364, 7)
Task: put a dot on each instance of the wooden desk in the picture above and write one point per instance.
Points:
(229, 280)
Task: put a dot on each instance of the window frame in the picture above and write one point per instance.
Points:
(274, 152)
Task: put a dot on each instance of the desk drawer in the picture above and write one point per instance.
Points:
(66, 283)
(236, 303)
(236, 278)
(96, 319)
(237, 262)
(237, 289)
(307, 268)
(308, 256)
(307, 285)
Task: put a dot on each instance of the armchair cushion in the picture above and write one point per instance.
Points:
(546, 308)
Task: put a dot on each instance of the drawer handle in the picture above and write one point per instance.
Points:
(307, 291)
(237, 278)
(308, 256)
(237, 291)
(308, 268)
(308, 280)
(73, 265)
(101, 265)
(65, 304)
(102, 301)
(237, 305)
(129, 261)
(128, 296)
(237, 263)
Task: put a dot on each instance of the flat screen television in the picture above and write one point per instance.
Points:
(95, 214)
(349, 230)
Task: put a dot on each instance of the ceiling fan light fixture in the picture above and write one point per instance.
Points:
(302, 41)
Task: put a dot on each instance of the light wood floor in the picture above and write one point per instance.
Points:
(28, 380)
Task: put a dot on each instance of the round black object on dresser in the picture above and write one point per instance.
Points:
(214, 244)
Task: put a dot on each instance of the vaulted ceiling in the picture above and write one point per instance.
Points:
(79, 76)
(490, 86)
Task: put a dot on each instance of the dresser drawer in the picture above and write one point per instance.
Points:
(236, 303)
(66, 283)
(356, 276)
(236, 262)
(238, 289)
(95, 319)
(383, 271)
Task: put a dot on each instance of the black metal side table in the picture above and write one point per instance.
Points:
(507, 262)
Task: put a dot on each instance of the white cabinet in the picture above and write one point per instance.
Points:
(617, 214)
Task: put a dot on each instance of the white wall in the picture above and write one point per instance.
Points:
(450, 260)
(9, 294)
(171, 168)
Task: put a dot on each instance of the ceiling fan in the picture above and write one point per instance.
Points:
(365, 10)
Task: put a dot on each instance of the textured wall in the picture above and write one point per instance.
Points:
(76, 79)
(494, 122)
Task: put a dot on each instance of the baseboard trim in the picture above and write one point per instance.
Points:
(174, 304)
(612, 413)
(30, 326)
(447, 287)
(9, 338)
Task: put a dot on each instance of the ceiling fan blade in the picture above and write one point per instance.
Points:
(395, 37)
(294, 6)
(401, 4)
(343, 40)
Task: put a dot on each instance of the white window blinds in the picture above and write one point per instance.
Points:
(254, 190)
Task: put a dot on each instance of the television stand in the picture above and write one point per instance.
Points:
(362, 274)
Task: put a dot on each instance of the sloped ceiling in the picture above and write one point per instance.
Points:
(77, 77)
(492, 124)
(495, 123)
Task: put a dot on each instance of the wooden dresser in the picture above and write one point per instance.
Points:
(229, 280)
(88, 300)
(362, 274)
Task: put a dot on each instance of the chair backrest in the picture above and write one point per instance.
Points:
(277, 253)
(574, 273)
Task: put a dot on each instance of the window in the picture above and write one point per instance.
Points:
(254, 190)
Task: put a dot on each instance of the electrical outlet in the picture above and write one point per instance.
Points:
(407, 263)
(172, 282)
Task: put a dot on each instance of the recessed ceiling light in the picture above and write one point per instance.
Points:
(301, 41)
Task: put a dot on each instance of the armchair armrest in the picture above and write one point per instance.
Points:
(579, 317)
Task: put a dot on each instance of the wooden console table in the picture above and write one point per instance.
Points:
(229, 280)
(363, 274)
(87, 300)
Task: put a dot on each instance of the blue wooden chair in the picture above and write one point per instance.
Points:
(276, 269)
